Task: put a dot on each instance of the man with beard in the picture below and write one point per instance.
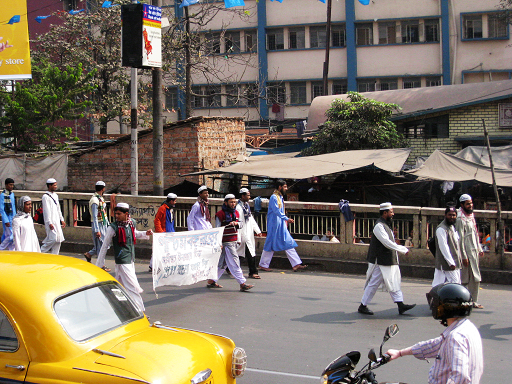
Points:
(53, 219)
(278, 236)
(7, 212)
(199, 217)
(383, 263)
(448, 257)
(164, 219)
(228, 218)
(470, 248)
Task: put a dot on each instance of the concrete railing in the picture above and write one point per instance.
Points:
(310, 219)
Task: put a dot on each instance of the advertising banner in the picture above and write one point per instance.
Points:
(184, 258)
(14, 44)
(151, 36)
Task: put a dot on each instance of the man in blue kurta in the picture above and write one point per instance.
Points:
(278, 236)
(7, 211)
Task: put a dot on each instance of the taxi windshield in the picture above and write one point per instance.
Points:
(95, 310)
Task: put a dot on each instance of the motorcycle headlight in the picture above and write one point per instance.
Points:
(238, 362)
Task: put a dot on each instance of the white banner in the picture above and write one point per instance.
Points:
(184, 258)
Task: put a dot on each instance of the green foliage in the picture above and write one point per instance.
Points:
(360, 123)
(38, 111)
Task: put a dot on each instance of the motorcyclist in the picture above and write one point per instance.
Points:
(457, 353)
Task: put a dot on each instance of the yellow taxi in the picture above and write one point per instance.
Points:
(63, 320)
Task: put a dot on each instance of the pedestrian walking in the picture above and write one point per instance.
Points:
(123, 235)
(7, 211)
(457, 354)
(99, 223)
(53, 220)
(448, 256)
(23, 232)
(470, 248)
(199, 217)
(278, 236)
(383, 263)
(247, 247)
(164, 219)
(228, 218)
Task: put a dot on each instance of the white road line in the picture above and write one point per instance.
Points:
(283, 373)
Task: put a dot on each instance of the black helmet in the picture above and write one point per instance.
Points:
(450, 300)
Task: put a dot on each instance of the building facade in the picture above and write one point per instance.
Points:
(277, 52)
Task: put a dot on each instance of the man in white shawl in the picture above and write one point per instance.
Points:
(247, 247)
(24, 234)
(383, 263)
(53, 220)
(470, 248)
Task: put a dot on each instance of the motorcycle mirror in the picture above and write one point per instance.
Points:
(391, 331)
(372, 356)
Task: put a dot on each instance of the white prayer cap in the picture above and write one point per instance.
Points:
(102, 183)
(202, 188)
(229, 196)
(172, 196)
(51, 181)
(244, 190)
(465, 197)
(385, 206)
(123, 205)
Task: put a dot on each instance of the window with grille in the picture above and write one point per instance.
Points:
(366, 85)
(171, 98)
(251, 95)
(432, 30)
(410, 31)
(435, 127)
(411, 82)
(212, 42)
(472, 26)
(317, 37)
(296, 38)
(433, 81)
(197, 101)
(213, 99)
(339, 87)
(251, 41)
(338, 36)
(364, 34)
(232, 42)
(233, 95)
(498, 26)
(387, 85)
(387, 33)
(275, 39)
(276, 93)
(298, 92)
(317, 89)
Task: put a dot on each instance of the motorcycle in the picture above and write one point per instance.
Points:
(343, 369)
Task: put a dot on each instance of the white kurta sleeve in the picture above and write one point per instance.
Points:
(47, 208)
(16, 234)
(255, 225)
(59, 210)
(141, 235)
(442, 241)
(107, 242)
(381, 234)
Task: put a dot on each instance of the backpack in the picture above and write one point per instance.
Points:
(38, 217)
(431, 244)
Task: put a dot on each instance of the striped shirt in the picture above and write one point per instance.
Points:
(458, 354)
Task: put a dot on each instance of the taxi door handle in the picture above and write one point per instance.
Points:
(18, 367)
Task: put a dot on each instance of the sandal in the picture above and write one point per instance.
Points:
(213, 285)
(254, 276)
(265, 269)
(88, 257)
(245, 287)
(106, 269)
(478, 306)
(299, 267)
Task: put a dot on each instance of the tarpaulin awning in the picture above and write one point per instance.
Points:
(443, 166)
(501, 156)
(281, 166)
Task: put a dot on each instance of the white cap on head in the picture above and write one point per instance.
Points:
(385, 206)
(51, 180)
(229, 196)
(172, 196)
(123, 205)
(202, 188)
(102, 183)
(244, 190)
(464, 197)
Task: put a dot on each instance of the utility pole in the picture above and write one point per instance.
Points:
(327, 47)
(188, 67)
(499, 241)
(134, 155)
(158, 129)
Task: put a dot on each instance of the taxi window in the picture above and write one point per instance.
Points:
(8, 339)
(95, 310)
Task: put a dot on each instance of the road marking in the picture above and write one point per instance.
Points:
(282, 373)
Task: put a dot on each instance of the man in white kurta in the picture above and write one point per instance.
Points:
(53, 220)
(448, 257)
(122, 235)
(24, 234)
(247, 246)
(383, 263)
(199, 217)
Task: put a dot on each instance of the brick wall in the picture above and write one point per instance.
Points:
(188, 146)
(464, 122)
